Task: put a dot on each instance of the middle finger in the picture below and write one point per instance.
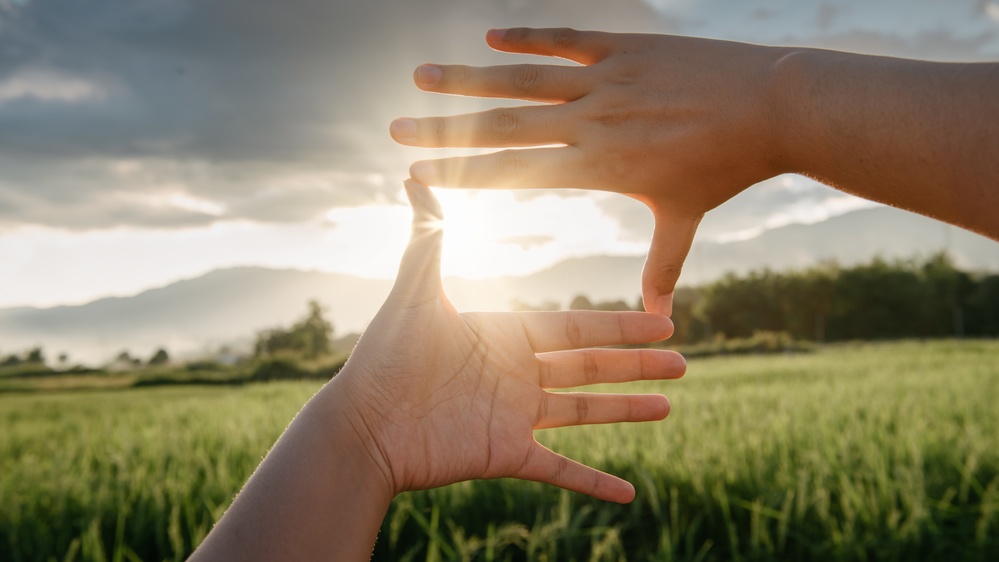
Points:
(534, 82)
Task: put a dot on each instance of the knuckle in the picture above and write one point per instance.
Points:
(582, 410)
(611, 115)
(517, 34)
(669, 270)
(614, 165)
(573, 333)
(457, 76)
(504, 123)
(511, 166)
(526, 79)
(438, 130)
(611, 106)
(546, 375)
(542, 413)
(590, 368)
(565, 37)
(560, 470)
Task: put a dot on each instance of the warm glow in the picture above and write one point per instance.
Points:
(493, 233)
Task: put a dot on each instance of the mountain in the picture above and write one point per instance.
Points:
(847, 239)
(230, 306)
(222, 307)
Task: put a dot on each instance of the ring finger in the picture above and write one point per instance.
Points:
(562, 167)
(496, 128)
(565, 369)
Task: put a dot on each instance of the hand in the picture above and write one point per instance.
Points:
(440, 397)
(681, 124)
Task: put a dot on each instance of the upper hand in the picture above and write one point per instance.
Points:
(439, 396)
(681, 124)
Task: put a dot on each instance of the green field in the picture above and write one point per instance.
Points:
(854, 452)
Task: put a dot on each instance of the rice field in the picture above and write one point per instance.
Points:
(884, 451)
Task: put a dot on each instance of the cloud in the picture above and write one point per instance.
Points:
(180, 112)
(527, 241)
(786, 199)
(95, 193)
(273, 111)
(958, 30)
(992, 11)
(47, 86)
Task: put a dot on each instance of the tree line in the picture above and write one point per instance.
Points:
(877, 300)
(826, 303)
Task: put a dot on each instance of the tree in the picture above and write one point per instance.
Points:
(125, 358)
(580, 302)
(161, 357)
(35, 356)
(618, 305)
(310, 337)
(11, 360)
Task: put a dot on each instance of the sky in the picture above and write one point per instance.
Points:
(146, 142)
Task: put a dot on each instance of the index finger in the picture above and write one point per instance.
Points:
(554, 331)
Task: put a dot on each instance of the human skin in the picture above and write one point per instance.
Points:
(683, 124)
(430, 397)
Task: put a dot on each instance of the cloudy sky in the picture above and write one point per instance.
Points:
(145, 142)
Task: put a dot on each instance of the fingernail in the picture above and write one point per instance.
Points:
(423, 172)
(495, 34)
(403, 129)
(427, 74)
(664, 305)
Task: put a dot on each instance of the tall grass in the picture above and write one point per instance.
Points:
(859, 452)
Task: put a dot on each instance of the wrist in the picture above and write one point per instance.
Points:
(787, 110)
(340, 415)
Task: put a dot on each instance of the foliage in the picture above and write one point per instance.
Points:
(855, 452)
(161, 357)
(310, 337)
(284, 368)
(825, 303)
(760, 342)
(33, 359)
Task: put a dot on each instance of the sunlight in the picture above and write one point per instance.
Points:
(495, 233)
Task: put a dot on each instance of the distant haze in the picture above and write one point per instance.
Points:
(228, 306)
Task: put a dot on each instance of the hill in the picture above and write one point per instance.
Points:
(229, 306)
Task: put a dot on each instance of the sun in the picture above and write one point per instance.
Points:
(492, 233)
(473, 225)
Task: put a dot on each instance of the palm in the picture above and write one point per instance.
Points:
(457, 396)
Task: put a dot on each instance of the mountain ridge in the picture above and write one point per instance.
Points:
(228, 306)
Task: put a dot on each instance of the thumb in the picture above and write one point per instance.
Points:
(419, 276)
(671, 240)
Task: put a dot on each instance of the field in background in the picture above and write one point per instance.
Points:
(866, 451)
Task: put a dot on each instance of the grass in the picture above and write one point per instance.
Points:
(854, 452)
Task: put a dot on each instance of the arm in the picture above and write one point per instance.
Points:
(922, 136)
(683, 124)
(430, 397)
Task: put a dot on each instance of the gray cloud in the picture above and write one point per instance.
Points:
(273, 111)
(771, 203)
(958, 30)
(277, 111)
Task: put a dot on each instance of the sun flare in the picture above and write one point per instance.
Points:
(495, 233)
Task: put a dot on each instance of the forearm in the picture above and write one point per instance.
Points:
(316, 496)
(918, 135)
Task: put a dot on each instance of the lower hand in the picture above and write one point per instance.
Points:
(439, 396)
